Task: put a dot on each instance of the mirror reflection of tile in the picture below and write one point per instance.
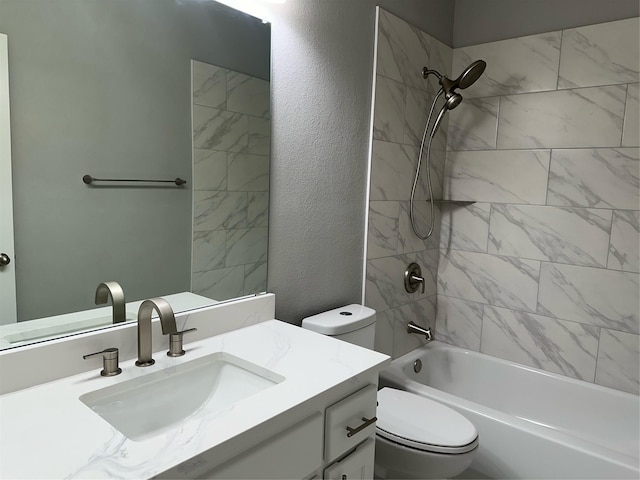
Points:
(231, 142)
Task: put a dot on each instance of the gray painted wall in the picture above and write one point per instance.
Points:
(490, 20)
(103, 88)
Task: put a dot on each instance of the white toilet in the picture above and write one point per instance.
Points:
(415, 437)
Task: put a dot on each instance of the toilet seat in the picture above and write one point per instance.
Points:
(423, 424)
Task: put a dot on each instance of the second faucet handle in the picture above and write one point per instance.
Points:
(109, 361)
(175, 343)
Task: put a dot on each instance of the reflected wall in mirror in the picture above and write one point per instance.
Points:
(105, 88)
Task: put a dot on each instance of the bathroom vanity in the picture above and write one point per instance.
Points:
(269, 400)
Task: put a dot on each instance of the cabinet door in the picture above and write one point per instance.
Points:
(294, 453)
(356, 466)
(349, 422)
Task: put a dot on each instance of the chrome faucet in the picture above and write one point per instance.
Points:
(167, 322)
(113, 290)
(415, 328)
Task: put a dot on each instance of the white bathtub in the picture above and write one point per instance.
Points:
(532, 424)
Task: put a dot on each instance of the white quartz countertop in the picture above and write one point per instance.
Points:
(47, 432)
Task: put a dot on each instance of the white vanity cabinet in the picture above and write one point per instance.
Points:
(333, 443)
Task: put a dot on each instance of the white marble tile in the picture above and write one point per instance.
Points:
(418, 103)
(618, 361)
(259, 136)
(219, 210)
(601, 54)
(382, 237)
(631, 129)
(624, 251)
(422, 312)
(219, 284)
(465, 227)
(248, 95)
(216, 129)
(473, 124)
(384, 285)
(257, 209)
(490, 279)
(209, 85)
(255, 278)
(579, 236)
(388, 118)
(384, 332)
(403, 50)
(567, 348)
(392, 170)
(507, 176)
(247, 173)
(603, 177)
(440, 57)
(518, 65)
(209, 250)
(385, 279)
(605, 298)
(459, 322)
(408, 241)
(209, 169)
(583, 117)
(246, 245)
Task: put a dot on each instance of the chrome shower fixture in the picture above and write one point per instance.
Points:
(452, 99)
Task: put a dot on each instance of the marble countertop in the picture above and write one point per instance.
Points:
(47, 432)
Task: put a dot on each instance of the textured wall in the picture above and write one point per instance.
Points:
(543, 268)
(322, 57)
(480, 21)
(402, 100)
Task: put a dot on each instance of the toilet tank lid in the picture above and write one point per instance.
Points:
(340, 320)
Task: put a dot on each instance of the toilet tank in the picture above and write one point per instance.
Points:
(353, 323)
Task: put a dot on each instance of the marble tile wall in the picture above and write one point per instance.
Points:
(401, 102)
(543, 268)
(231, 143)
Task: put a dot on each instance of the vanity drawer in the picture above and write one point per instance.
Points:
(349, 422)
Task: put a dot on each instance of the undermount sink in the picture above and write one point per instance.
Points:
(150, 404)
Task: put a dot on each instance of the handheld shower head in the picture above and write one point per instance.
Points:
(469, 76)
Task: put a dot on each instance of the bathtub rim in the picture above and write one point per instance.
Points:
(394, 376)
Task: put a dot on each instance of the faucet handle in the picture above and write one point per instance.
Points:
(109, 361)
(175, 342)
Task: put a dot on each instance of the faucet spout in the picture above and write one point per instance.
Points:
(415, 328)
(167, 323)
(113, 290)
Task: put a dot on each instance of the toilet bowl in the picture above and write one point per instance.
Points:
(419, 438)
(415, 437)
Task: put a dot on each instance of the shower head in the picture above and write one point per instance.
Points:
(448, 87)
(467, 78)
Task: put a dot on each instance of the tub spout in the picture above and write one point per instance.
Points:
(415, 328)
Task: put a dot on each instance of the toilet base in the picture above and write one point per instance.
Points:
(394, 461)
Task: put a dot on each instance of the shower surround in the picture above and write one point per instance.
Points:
(543, 268)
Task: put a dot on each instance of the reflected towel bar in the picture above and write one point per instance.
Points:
(88, 179)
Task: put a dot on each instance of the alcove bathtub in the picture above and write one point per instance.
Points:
(531, 423)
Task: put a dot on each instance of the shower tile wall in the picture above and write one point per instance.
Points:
(231, 129)
(543, 268)
(402, 99)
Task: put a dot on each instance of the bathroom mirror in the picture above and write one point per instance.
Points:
(108, 89)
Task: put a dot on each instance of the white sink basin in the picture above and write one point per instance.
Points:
(148, 405)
